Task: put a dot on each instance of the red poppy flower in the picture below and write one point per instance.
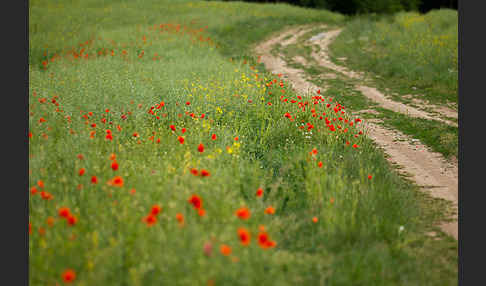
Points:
(180, 218)
(117, 181)
(319, 164)
(183, 130)
(225, 250)
(200, 148)
(40, 183)
(82, 171)
(194, 171)
(205, 173)
(369, 177)
(94, 180)
(68, 276)
(262, 238)
(114, 166)
(33, 190)
(46, 195)
(244, 236)
(156, 209)
(270, 210)
(243, 213)
(201, 212)
(314, 219)
(195, 201)
(64, 212)
(71, 219)
(172, 127)
(259, 192)
(181, 139)
(150, 219)
(213, 136)
(268, 244)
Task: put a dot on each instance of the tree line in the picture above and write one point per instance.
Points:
(351, 7)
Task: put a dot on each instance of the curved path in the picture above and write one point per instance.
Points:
(322, 57)
(428, 169)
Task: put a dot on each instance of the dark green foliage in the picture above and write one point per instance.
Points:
(427, 5)
(354, 6)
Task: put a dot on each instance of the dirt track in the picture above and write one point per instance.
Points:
(428, 169)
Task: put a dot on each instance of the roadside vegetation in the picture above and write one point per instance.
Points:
(160, 152)
(393, 72)
(408, 52)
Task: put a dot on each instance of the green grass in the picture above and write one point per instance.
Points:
(356, 239)
(407, 50)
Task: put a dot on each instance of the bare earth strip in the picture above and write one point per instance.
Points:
(429, 170)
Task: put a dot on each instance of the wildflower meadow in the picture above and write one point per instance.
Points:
(155, 158)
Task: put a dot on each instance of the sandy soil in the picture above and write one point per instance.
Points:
(428, 169)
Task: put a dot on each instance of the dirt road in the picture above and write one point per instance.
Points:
(428, 169)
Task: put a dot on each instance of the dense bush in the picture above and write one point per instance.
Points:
(369, 6)
(373, 6)
(427, 5)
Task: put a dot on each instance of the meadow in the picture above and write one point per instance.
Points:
(160, 152)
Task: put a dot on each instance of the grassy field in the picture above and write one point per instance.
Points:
(411, 53)
(160, 153)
